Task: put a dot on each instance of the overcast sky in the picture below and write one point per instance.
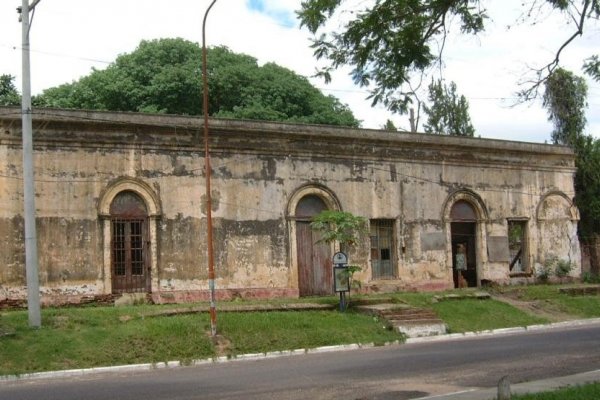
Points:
(70, 37)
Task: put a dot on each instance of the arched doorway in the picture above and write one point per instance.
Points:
(314, 257)
(130, 267)
(463, 228)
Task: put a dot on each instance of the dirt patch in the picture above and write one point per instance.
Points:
(538, 308)
(223, 346)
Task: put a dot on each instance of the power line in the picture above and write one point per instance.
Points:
(60, 55)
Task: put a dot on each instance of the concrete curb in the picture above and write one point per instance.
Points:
(286, 353)
(504, 331)
(177, 364)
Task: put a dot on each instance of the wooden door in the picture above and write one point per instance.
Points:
(314, 256)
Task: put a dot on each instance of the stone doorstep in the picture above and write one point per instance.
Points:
(130, 299)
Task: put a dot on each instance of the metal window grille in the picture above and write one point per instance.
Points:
(382, 249)
(128, 256)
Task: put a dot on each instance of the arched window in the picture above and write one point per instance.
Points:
(462, 211)
(309, 206)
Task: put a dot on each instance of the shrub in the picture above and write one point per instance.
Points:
(589, 277)
(544, 271)
(563, 268)
(553, 266)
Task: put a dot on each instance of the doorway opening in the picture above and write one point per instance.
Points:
(130, 271)
(463, 228)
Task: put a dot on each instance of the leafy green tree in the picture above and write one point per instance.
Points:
(392, 41)
(591, 66)
(565, 99)
(342, 227)
(449, 112)
(587, 188)
(389, 126)
(9, 96)
(164, 76)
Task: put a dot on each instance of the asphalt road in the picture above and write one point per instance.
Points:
(393, 372)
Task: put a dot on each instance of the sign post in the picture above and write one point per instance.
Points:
(341, 277)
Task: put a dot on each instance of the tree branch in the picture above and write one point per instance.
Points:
(544, 72)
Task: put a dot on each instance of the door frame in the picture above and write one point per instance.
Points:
(154, 209)
(128, 281)
(480, 242)
(332, 203)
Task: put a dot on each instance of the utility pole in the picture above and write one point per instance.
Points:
(31, 252)
(209, 236)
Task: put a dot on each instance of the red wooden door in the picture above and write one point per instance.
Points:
(314, 257)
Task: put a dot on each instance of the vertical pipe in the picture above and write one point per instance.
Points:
(31, 252)
(209, 236)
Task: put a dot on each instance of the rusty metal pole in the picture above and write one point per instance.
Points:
(209, 227)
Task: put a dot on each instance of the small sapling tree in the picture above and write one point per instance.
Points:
(343, 229)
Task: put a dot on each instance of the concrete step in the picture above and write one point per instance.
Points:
(416, 315)
(410, 321)
(422, 329)
(425, 321)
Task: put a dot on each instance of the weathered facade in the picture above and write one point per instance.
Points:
(120, 204)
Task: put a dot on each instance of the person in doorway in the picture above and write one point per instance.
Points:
(460, 263)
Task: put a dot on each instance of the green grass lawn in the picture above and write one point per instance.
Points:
(272, 331)
(480, 315)
(584, 306)
(584, 392)
(83, 337)
(89, 337)
(102, 336)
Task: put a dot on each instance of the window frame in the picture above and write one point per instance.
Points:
(377, 240)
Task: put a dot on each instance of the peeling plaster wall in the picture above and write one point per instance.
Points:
(256, 169)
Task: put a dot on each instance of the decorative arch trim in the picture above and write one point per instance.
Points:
(137, 186)
(330, 199)
(470, 197)
(573, 210)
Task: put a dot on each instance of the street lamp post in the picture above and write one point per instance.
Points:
(209, 236)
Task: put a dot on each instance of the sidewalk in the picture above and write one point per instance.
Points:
(522, 388)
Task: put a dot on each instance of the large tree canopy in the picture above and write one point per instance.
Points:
(390, 41)
(164, 76)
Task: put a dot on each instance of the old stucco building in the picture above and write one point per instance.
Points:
(120, 201)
